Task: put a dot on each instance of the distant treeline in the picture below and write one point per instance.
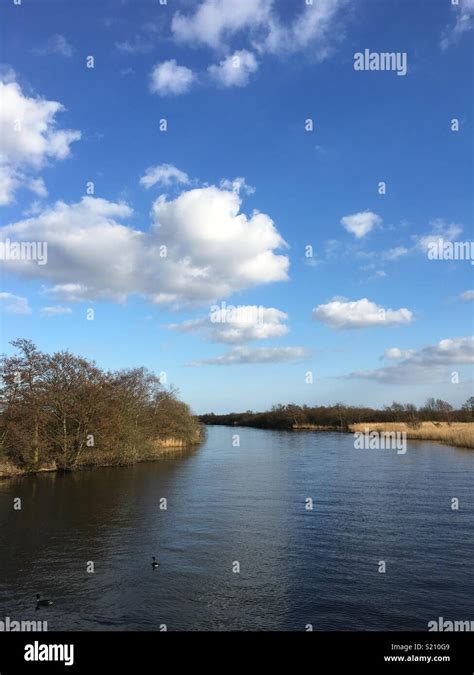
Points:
(339, 416)
(63, 411)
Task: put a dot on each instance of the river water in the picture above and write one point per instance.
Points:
(246, 505)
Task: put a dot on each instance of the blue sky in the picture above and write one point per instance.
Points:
(236, 188)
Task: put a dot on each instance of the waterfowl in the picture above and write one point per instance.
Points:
(155, 563)
(42, 603)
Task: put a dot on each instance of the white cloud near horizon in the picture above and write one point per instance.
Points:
(424, 365)
(170, 79)
(341, 313)
(14, 304)
(56, 310)
(236, 325)
(255, 355)
(394, 354)
(199, 248)
(29, 138)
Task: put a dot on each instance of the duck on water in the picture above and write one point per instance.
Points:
(42, 602)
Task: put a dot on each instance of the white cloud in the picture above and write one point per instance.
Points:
(29, 137)
(237, 185)
(394, 354)
(395, 253)
(439, 231)
(463, 23)
(235, 325)
(216, 23)
(135, 46)
(425, 365)
(257, 26)
(56, 45)
(219, 249)
(315, 27)
(167, 78)
(70, 292)
(360, 224)
(14, 304)
(55, 311)
(242, 355)
(467, 295)
(340, 313)
(378, 274)
(216, 20)
(234, 70)
(164, 174)
(199, 248)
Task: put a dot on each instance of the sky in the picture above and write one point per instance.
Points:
(244, 197)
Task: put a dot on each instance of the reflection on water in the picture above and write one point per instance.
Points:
(246, 504)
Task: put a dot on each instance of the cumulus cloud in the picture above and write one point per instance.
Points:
(242, 355)
(395, 354)
(463, 23)
(240, 324)
(29, 138)
(216, 22)
(316, 27)
(360, 224)
(11, 180)
(199, 248)
(234, 70)
(425, 365)
(168, 79)
(258, 26)
(340, 313)
(58, 45)
(467, 295)
(14, 304)
(57, 310)
(164, 174)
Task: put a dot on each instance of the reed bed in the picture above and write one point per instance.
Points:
(459, 434)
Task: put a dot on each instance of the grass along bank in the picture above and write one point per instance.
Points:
(436, 420)
(459, 434)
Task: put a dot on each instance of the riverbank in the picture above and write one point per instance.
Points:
(157, 449)
(458, 434)
(315, 427)
(61, 412)
(338, 417)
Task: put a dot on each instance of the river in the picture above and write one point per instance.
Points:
(246, 505)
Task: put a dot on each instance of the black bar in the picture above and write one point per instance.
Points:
(322, 652)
